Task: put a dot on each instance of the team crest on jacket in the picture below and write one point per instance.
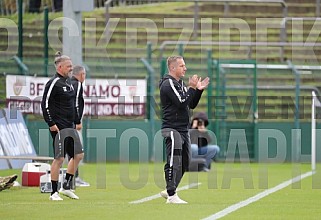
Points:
(64, 88)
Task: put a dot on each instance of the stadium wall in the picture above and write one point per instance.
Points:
(129, 140)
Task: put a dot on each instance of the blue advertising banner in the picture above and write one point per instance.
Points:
(4, 164)
(14, 138)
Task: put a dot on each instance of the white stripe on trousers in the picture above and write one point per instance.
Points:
(172, 152)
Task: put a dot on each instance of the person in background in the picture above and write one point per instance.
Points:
(201, 140)
(58, 108)
(77, 79)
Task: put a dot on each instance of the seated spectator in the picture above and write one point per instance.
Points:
(201, 140)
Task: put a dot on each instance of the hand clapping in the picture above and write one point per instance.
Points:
(197, 82)
(202, 84)
(193, 81)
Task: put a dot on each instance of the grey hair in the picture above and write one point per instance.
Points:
(77, 69)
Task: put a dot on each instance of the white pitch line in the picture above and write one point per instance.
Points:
(146, 199)
(257, 197)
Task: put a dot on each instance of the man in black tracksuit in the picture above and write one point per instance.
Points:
(176, 101)
(58, 107)
(77, 79)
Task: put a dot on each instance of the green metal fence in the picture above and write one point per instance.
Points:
(234, 100)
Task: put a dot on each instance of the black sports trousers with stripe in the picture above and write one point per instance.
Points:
(178, 154)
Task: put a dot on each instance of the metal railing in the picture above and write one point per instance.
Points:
(286, 19)
(283, 32)
(249, 44)
(196, 7)
(22, 67)
(10, 6)
(226, 8)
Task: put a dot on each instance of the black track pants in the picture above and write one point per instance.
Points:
(178, 153)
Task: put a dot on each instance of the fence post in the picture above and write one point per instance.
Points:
(45, 39)
(255, 115)
(150, 82)
(20, 30)
(283, 29)
(180, 49)
(217, 97)
(226, 9)
(297, 106)
(162, 67)
(149, 52)
(210, 85)
(88, 73)
(196, 11)
(297, 93)
(150, 103)
(22, 67)
(107, 15)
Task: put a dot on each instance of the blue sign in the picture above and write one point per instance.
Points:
(14, 139)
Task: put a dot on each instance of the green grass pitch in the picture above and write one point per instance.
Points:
(114, 186)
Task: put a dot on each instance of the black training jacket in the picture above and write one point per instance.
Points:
(58, 102)
(79, 100)
(176, 101)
